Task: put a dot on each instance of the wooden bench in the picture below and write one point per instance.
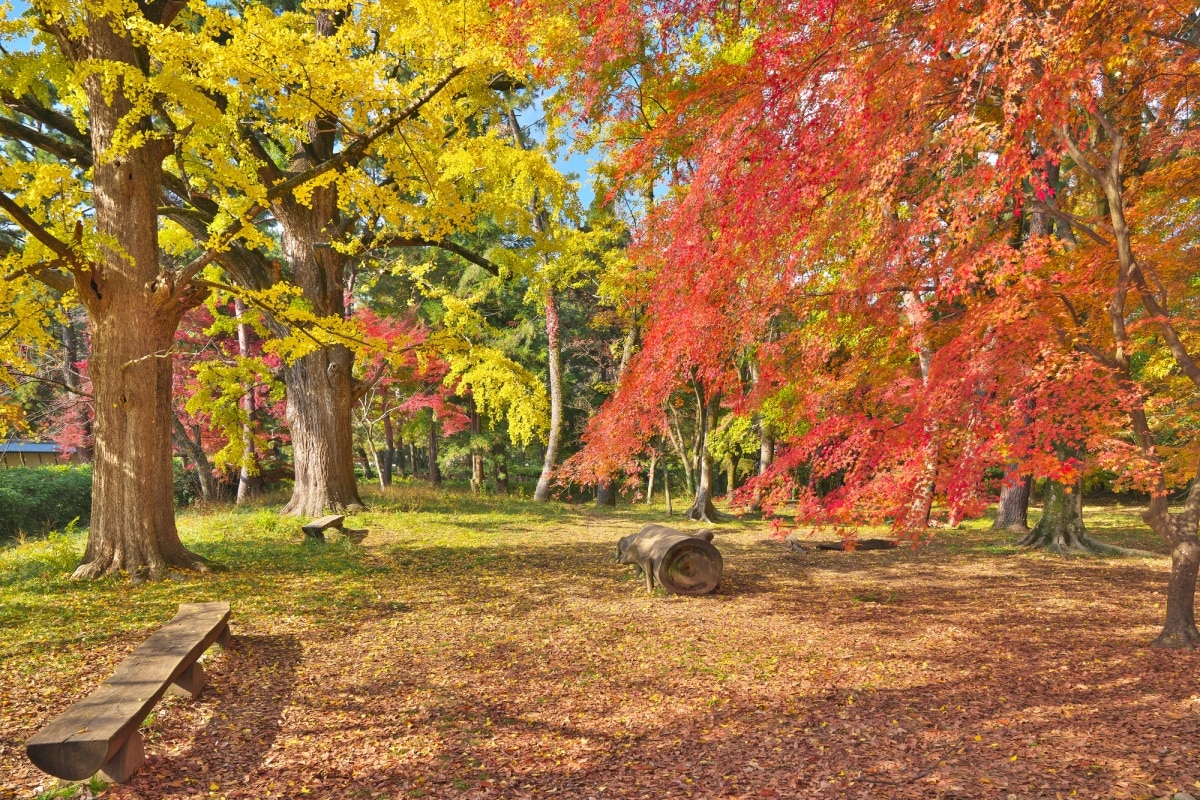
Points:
(316, 529)
(100, 732)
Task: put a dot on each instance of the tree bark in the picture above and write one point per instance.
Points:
(667, 487)
(1179, 628)
(1061, 529)
(606, 494)
(134, 313)
(388, 461)
(500, 466)
(435, 472)
(554, 360)
(318, 413)
(477, 474)
(650, 479)
(249, 484)
(1012, 514)
(921, 507)
(702, 509)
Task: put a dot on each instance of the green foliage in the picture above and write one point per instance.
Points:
(35, 501)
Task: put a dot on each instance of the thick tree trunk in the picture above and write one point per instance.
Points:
(702, 509)
(1061, 529)
(133, 316)
(1012, 514)
(318, 414)
(606, 494)
(554, 359)
(1179, 629)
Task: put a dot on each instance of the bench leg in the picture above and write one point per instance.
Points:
(189, 684)
(127, 761)
(223, 637)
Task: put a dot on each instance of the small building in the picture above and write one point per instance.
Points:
(24, 453)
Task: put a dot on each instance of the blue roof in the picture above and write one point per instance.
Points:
(22, 446)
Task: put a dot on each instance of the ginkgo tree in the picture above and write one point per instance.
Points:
(408, 152)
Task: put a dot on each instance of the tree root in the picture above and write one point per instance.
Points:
(1083, 545)
(1182, 638)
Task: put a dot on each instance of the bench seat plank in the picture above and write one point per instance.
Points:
(317, 527)
(77, 743)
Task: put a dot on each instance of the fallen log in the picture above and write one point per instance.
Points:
(848, 546)
(681, 563)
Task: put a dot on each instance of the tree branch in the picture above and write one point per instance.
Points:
(31, 226)
(444, 244)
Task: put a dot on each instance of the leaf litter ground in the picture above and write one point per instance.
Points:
(483, 648)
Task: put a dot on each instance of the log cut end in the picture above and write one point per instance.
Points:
(681, 563)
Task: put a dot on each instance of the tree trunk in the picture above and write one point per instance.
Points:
(189, 445)
(731, 479)
(554, 359)
(1061, 530)
(766, 455)
(134, 314)
(921, 507)
(667, 487)
(477, 474)
(606, 494)
(1179, 629)
(500, 466)
(388, 461)
(249, 483)
(79, 408)
(435, 472)
(318, 414)
(650, 479)
(702, 509)
(1013, 512)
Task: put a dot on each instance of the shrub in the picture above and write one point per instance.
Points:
(37, 500)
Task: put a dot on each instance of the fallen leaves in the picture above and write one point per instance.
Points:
(527, 664)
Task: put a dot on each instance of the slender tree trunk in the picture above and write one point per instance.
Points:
(650, 480)
(554, 358)
(389, 452)
(190, 447)
(1013, 512)
(500, 466)
(702, 509)
(921, 507)
(731, 479)
(477, 476)
(79, 410)
(249, 482)
(667, 487)
(435, 472)
(134, 313)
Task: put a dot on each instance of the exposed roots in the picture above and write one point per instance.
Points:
(1180, 637)
(145, 572)
(1079, 545)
